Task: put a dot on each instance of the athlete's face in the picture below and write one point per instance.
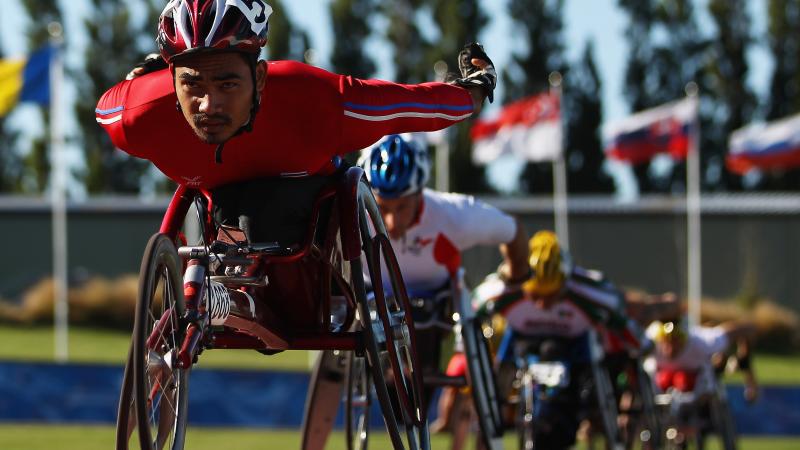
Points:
(399, 213)
(215, 92)
(671, 348)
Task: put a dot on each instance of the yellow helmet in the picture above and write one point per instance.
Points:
(671, 331)
(545, 262)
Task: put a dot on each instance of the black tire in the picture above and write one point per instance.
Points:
(358, 400)
(160, 386)
(527, 405)
(485, 394)
(722, 418)
(386, 353)
(126, 415)
(650, 429)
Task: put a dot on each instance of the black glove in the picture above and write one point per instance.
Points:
(151, 63)
(472, 75)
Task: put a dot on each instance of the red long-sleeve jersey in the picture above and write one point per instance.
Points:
(308, 116)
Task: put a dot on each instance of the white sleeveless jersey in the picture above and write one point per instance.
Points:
(448, 224)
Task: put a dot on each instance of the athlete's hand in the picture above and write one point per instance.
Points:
(477, 74)
(151, 63)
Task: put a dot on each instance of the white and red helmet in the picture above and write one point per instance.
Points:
(196, 25)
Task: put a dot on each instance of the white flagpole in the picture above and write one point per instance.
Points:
(59, 199)
(693, 231)
(560, 210)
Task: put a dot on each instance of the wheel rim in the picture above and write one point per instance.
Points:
(160, 386)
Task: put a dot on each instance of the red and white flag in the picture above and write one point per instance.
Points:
(529, 128)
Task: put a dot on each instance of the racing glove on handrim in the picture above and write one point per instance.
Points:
(472, 75)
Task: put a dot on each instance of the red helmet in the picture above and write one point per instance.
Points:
(193, 25)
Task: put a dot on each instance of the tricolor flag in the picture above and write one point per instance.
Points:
(529, 128)
(774, 145)
(25, 80)
(665, 129)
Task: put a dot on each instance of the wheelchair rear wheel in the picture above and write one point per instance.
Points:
(159, 386)
(389, 333)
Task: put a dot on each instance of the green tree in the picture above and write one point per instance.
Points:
(658, 71)
(112, 54)
(350, 23)
(734, 102)
(10, 161)
(37, 161)
(540, 26)
(409, 46)
(583, 115)
(459, 22)
(286, 41)
(783, 35)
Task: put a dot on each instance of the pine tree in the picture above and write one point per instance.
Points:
(583, 114)
(734, 102)
(459, 23)
(37, 161)
(111, 55)
(350, 23)
(409, 46)
(783, 35)
(657, 72)
(286, 41)
(10, 161)
(540, 25)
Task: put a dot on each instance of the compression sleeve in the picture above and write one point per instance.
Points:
(375, 108)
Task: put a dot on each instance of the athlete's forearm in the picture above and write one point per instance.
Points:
(515, 255)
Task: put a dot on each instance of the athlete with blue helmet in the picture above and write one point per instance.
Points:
(428, 231)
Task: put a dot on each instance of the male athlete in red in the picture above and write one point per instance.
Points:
(307, 118)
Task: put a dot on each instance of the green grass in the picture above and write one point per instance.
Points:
(111, 347)
(41, 437)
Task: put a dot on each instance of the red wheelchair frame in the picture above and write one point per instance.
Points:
(172, 330)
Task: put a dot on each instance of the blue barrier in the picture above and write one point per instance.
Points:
(83, 393)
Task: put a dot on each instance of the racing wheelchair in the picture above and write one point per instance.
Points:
(435, 315)
(556, 379)
(229, 293)
(689, 418)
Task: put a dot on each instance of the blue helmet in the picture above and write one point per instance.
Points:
(396, 166)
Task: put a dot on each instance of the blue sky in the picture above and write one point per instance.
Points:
(597, 20)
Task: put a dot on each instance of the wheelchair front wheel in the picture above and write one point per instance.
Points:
(357, 402)
(160, 386)
(126, 415)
